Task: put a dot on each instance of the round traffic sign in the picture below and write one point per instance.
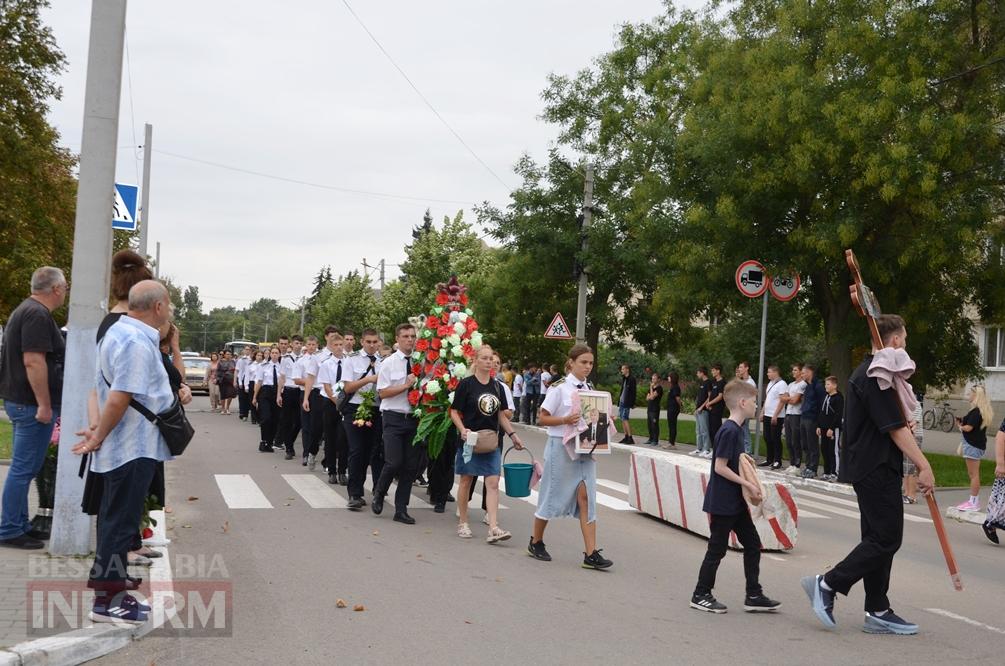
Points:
(751, 279)
(784, 287)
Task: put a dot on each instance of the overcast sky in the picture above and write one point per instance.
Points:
(299, 90)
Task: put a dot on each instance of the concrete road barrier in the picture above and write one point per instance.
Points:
(671, 487)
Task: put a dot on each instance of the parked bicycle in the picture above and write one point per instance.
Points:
(942, 416)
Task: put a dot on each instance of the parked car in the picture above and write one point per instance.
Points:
(197, 373)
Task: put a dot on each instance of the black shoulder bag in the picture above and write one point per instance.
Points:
(172, 423)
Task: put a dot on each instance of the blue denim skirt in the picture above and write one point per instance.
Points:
(560, 483)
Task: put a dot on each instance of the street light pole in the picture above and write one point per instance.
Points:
(583, 279)
(92, 248)
(148, 140)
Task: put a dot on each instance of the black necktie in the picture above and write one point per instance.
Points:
(370, 370)
(275, 379)
(408, 365)
(579, 386)
(338, 373)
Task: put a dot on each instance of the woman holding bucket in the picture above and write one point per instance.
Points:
(568, 486)
(478, 411)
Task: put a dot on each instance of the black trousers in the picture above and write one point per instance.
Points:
(365, 450)
(827, 452)
(882, 520)
(317, 404)
(305, 425)
(714, 423)
(653, 421)
(530, 409)
(125, 490)
(672, 425)
(773, 439)
(720, 527)
(441, 470)
(516, 408)
(243, 401)
(289, 417)
(268, 414)
(809, 440)
(336, 444)
(793, 438)
(401, 458)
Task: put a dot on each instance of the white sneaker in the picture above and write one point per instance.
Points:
(792, 469)
(707, 454)
(154, 542)
(693, 453)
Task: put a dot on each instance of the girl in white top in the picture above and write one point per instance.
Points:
(248, 380)
(568, 487)
(264, 399)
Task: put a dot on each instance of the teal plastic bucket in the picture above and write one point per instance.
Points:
(517, 475)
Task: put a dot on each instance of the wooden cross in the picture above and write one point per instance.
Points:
(867, 306)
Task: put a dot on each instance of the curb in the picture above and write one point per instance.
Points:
(97, 640)
(975, 517)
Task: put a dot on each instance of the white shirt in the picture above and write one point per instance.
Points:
(264, 373)
(558, 401)
(241, 367)
(313, 364)
(358, 366)
(509, 394)
(329, 373)
(393, 372)
(795, 388)
(298, 368)
(772, 396)
(518, 385)
(286, 365)
(545, 380)
(251, 375)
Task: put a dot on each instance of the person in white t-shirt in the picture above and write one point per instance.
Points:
(793, 399)
(773, 417)
(517, 394)
(743, 374)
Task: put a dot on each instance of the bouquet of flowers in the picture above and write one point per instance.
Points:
(447, 340)
(364, 413)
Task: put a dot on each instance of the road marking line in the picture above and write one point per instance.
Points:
(241, 492)
(809, 514)
(837, 500)
(606, 500)
(613, 485)
(774, 557)
(826, 507)
(967, 620)
(314, 491)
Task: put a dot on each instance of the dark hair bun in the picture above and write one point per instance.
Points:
(125, 260)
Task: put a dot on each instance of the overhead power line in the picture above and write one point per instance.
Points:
(423, 97)
(322, 186)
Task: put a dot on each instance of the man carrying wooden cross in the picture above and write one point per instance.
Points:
(877, 439)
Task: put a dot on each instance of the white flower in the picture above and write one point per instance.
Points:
(450, 397)
(460, 329)
(454, 316)
(416, 355)
(453, 340)
(459, 370)
(476, 340)
(462, 316)
(433, 387)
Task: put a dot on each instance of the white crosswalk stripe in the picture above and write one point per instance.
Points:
(603, 499)
(836, 505)
(241, 492)
(315, 492)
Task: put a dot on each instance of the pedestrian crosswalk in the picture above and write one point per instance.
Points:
(809, 502)
(241, 491)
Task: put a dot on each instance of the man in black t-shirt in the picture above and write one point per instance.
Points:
(716, 404)
(877, 436)
(31, 385)
(629, 388)
(703, 441)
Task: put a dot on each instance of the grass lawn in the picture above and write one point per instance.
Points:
(6, 435)
(950, 471)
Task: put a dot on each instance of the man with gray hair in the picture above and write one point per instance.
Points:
(126, 447)
(31, 385)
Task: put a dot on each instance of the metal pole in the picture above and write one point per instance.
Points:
(583, 280)
(303, 313)
(92, 249)
(382, 276)
(157, 262)
(148, 140)
(760, 372)
(205, 330)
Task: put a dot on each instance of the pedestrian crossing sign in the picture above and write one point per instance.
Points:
(124, 207)
(558, 329)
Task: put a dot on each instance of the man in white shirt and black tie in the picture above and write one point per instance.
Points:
(360, 379)
(288, 400)
(394, 381)
(243, 398)
(300, 379)
(330, 374)
(314, 399)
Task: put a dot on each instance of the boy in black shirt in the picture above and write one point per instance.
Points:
(728, 510)
(877, 436)
(829, 427)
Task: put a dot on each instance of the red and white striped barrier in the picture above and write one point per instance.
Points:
(671, 487)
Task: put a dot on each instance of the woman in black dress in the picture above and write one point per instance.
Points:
(673, 408)
(225, 380)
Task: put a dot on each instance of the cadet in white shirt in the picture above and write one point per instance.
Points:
(793, 398)
(331, 372)
(300, 379)
(394, 381)
(517, 393)
(288, 400)
(773, 417)
(241, 368)
(314, 399)
(264, 400)
(360, 377)
(250, 377)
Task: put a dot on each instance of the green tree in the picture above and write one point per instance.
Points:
(37, 186)
(349, 303)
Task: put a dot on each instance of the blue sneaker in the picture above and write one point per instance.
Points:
(821, 600)
(889, 623)
(129, 601)
(118, 614)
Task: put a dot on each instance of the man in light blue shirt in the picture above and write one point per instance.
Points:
(125, 445)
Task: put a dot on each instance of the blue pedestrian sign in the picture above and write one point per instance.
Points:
(124, 208)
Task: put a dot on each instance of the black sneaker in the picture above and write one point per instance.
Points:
(760, 604)
(333, 479)
(440, 507)
(289, 455)
(888, 623)
(625, 440)
(264, 448)
(596, 561)
(421, 481)
(538, 551)
(766, 463)
(707, 603)
(356, 503)
(24, 542)
(990, 532)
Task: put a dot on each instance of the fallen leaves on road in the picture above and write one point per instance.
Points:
(186, 526)
(192, 498)
(468, 622)
(226, 526)
(359, 607)
(418, 556)
(168, 509)
(376, 532)
(340, 603)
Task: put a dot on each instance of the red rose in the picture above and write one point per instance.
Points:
(433, 355)
(147, 533)
(441, 299)
(428, 369)
(440, 371)
(464, 299)
(428, 398)
(471, 325)
(468, 350)
(444, 331)
(422, 345)
(445, 317)
(452, 384)
(432, 322)
(417, 369)
(435, 343)
(413, 397)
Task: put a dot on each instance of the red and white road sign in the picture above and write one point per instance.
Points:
(558, 329)
(751, 279)
(784, 287)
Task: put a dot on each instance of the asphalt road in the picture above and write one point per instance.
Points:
(433, 598)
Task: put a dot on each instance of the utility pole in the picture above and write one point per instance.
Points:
(148, 140)
(205, 330)
(157, 262)
(244, 329)
(583, 280)
(382, 276)
(92, 249)
(303, 313)
(268, 318)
